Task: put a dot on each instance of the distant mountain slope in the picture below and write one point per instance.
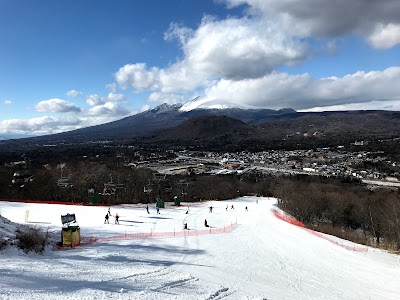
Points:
(168, 126)
(357, 124)
(202, 128)
(286, 131)
(219, 133)
(161, 117)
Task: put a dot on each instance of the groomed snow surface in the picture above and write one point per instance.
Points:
(262, 257)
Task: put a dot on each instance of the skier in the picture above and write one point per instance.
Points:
(109, 212)
(106, 219)
(232, 207)
(210, 209)
(158, 210)
(116, 219)
(185, 226)
(205, 223)
(147, 209)
(226, 208)
(246, 208)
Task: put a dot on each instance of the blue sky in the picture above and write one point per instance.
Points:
(71, 64)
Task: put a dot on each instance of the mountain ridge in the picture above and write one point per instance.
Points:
(160, 117)
(168, 126)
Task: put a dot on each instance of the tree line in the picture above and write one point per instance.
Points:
(349, 210)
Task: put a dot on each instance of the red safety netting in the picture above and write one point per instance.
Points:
(151, 234)
(347, 245)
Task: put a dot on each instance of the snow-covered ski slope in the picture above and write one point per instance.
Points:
(263, 257)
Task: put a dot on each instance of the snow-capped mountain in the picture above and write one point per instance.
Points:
(162, 117)
(166, 107)
(203, 103)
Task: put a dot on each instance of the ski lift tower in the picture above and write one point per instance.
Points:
(184, 187)
(148, 189)
(64, 182)
(158, 177)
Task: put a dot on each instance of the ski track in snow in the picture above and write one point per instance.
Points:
(262, 258)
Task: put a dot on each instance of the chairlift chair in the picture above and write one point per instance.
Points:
(120, 186)
(159, 176)
(148, 188)
(22, 176)
(109, 188)
(168, 189)
(64, 182)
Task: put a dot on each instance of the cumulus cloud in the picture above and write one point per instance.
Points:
(7, 102)
(278, 90)
(232, 48)
(145, 107)
(73, 93)
(108, 109)
(57, 105)
(102, 110)
(385, 36)
(114, 97)
(39, 126)
(180, 32)
(94, 100)
(138, 77)
(236, 49)
(166, 98)
(112, 87)
(371, 105)
(310, 18)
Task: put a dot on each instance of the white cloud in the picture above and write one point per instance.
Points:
(231, 48)
(94, 100)
(279, 90)
(73, 93)
(108, 109)
(385, 36)
(145, 107)
(112, 87)
(101, 111)
(8, 102)
(38, 126)
(371, 105)
(56, 105)
(115, 97)
(166, 98)
(178, 31)
(138, 77)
